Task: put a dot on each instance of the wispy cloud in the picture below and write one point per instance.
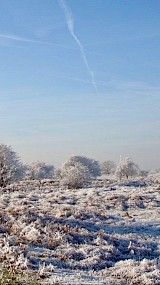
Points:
(70, 25)
(25, 40)
(15, 38)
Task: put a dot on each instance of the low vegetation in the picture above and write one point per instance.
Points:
(106, 232)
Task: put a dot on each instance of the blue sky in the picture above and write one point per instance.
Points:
(81, 77)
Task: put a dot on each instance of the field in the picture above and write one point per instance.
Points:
(106, 233)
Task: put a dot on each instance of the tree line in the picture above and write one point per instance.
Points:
(76, 172)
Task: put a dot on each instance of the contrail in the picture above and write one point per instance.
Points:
(70, 25)
(25, 40)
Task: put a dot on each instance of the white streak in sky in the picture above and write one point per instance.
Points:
(21, 39)
(70, 25)
(15, 38)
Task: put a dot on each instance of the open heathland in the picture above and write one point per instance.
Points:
(106, 233)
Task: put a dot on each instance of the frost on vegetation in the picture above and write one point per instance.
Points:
(126, 168)
(15, 264)
(99, 235)
(77, 171)
(39, 171)
(145, 272)
(12, 254)
(107, 167)
(11, 169)
(91, 164)
(75, 176)
(107, 234)
(30, 233)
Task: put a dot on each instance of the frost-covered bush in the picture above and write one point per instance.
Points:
(107, 167)
(74, 176)
(40, 170)
(91, 164)
(11, 169)
(77, 171)
(126, 168)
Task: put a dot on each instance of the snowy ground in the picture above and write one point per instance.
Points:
(105, 234)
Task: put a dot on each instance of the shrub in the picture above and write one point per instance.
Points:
(91, 164)
(74, 176)
(40, 170)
